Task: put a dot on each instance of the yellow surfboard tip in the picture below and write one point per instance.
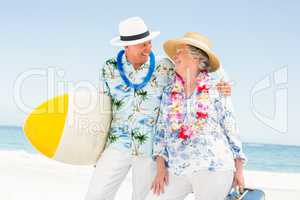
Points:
(45, 124)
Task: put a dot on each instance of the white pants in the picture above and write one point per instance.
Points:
(205, 185)
(111, 170)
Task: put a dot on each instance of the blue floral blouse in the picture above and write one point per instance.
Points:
(197, 132)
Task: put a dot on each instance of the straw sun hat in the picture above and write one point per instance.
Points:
(196, 40)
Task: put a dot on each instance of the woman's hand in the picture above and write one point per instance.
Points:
(238, 180)
(162, 177)
(224, 88)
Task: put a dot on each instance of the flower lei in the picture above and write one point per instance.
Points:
(176, 114)
(124, 77)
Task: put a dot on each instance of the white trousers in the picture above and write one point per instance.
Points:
(111, 170)
(205, 185)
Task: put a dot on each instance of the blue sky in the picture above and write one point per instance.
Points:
(252, 38)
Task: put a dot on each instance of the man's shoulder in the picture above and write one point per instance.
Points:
(107, 69)
(110, 62)
(165, 62)
(165, 67)
(108, 66)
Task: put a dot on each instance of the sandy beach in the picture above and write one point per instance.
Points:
(25, 176)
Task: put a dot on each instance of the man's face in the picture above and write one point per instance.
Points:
(139, 53)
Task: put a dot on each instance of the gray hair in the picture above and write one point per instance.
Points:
(197, 53)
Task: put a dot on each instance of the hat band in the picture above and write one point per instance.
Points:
(196, 42)
(135, 37)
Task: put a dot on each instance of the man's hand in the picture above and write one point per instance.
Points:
(224, 88)
(162, 177)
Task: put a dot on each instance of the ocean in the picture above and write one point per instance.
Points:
(261, 157)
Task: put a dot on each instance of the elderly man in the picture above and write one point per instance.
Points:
(134, 80)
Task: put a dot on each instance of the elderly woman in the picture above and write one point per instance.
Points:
(196, 138)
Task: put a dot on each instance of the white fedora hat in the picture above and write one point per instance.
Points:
(133, 31)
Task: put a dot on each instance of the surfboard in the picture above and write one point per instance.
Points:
(71, 128)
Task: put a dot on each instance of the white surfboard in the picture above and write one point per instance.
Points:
(71, 128)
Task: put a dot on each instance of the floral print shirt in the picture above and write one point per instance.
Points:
(197, 132)
(134, 112)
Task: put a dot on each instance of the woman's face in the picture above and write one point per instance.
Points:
(184, 60)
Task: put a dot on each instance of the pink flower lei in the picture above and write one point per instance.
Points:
(177, 98)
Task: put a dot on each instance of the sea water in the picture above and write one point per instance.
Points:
(261, 157)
